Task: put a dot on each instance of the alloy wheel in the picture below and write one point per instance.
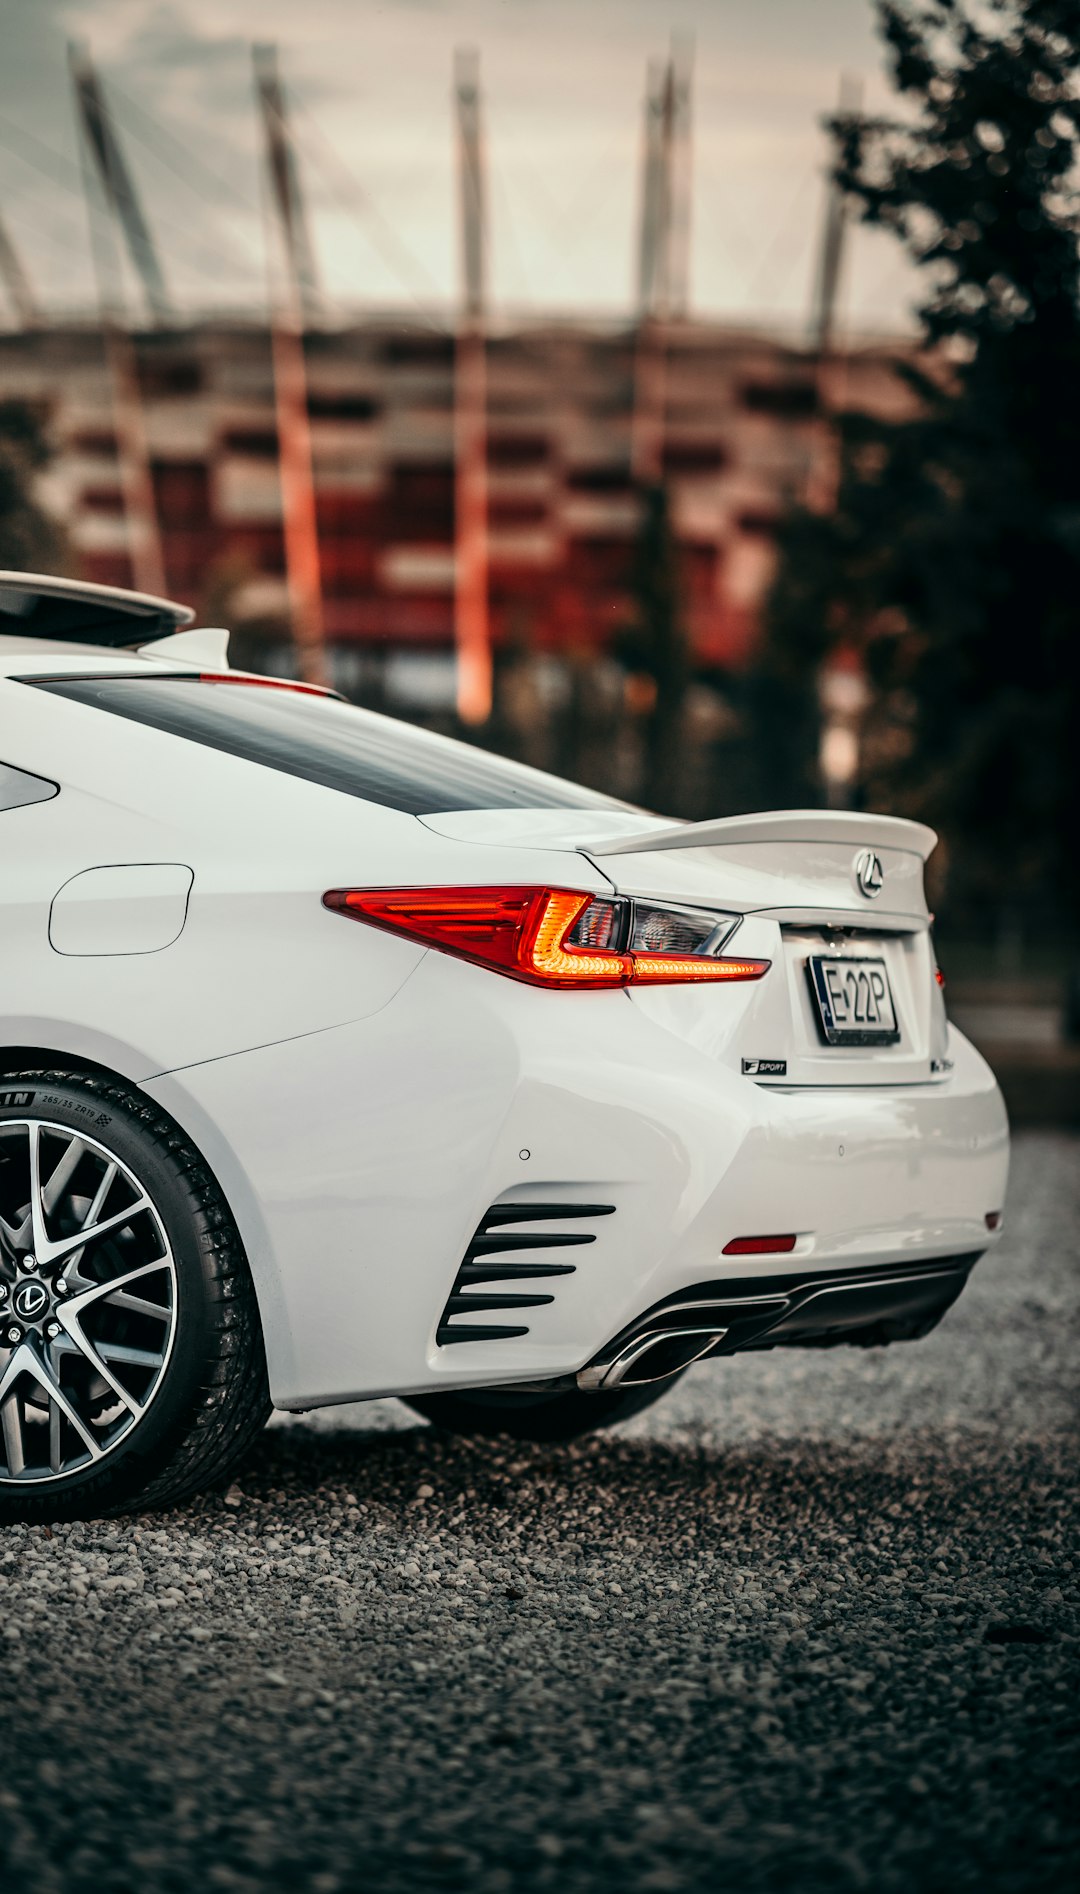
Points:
(88, 1294)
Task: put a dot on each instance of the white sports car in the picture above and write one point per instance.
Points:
(340, 1060)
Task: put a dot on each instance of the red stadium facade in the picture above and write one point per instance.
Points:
(740, 435)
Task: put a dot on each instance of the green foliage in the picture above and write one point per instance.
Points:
(29, 540)
(952, 560)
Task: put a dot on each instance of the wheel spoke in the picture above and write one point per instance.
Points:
(100, 1195)
(52, 1252)
(138, 1305)
(100, 1353)
(14, 1453)
(37, 1214)
(18, 1235)
(55, 1458)
(61, 1174)
(15, 1367)
(59, 1399)
(125, 1354)
(76, 1342)
(9, 1236)
(25, 1360)
(91, 1217)
(76, 1304)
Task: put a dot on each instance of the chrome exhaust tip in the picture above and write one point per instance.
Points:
(654, 1356)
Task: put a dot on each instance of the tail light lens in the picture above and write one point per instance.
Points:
(555, 936)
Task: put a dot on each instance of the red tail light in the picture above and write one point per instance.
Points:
(939, 976)
(526, 933)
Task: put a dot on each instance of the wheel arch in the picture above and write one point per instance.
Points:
(15, 1057)
(128, 1068)
(77, 1048)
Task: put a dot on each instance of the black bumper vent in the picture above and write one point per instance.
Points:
(494, 1261)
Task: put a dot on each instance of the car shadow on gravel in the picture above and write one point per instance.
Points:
(649, 1486)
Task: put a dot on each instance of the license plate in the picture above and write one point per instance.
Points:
(854, 1001)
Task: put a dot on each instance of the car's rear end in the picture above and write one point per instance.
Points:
(801, 1153)
(872, 1164)
(582, 1097)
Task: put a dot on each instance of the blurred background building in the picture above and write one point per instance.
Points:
(456, 515)
(707, 562)
(740, 434)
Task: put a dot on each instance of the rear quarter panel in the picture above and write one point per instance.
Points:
(259, 958)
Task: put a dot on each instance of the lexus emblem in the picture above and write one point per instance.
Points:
(869, 874)
(29, 1300)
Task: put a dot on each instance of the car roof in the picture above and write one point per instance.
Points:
(71, 614)
(45, 657)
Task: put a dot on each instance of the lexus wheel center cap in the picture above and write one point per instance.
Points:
(30, 1300)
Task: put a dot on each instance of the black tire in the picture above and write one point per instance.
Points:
(209, 1400)
(536, 1417)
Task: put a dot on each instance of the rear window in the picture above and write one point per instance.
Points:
(332, 743)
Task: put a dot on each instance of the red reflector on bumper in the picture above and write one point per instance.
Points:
(758, 1245)
(993, 1219)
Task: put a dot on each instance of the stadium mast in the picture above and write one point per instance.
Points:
(681, 188)
(16, 281)
(833, 237)
(830, 364)
(101, 158)
(655, 252)
(117, 182)
(472, 629)
(290, 311)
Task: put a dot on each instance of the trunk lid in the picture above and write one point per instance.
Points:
(818, 889)
(799, 861)
(797, 864)
(794, 878)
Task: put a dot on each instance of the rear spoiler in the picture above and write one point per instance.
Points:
(73, 611)
(787, 825)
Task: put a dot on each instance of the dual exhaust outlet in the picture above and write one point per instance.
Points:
(654, 1356)
(676, 1335)
(867, 1305)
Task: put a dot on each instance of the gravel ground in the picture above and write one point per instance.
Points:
(809, 1624)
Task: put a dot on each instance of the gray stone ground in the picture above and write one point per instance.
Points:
(746, 1642)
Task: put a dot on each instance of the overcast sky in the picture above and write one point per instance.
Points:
(369, 82)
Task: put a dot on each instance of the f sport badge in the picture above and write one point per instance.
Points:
(764, 1068)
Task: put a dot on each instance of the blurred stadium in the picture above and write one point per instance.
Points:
(658, 551)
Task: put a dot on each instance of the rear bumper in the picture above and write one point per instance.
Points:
(362, 1162)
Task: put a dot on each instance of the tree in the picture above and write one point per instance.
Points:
(29, 539)
(951, 562)
(655, 648)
